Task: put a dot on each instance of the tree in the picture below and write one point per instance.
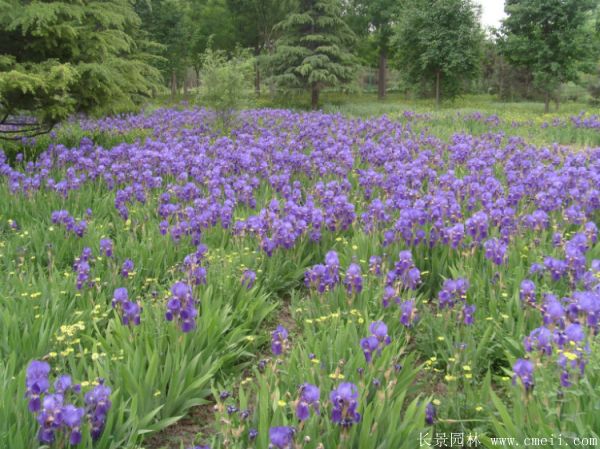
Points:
(211, 25)
(552, 39)
(374, 20)
(439, 40)
(163, 21)
(312, 51)
(58, 58)
(255, 22)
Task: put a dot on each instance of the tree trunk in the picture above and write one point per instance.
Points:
(173, 84)
(547, 102)
(381, 84)
(257, 71)
(314, 103)
(185, 84)
(437, 89)
(257, 79)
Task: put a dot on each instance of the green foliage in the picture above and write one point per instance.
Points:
(551, 38)
(313, 50)
(439, 41)
(225, 83)
(58, 58)
(164, 21)
(373, 21)
(210, 24)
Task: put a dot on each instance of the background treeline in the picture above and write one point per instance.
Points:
(98, 56)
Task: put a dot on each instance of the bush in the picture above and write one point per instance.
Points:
(225, 83)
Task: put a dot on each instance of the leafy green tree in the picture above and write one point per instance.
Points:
(373, 21)
(164, 22)
(58, 58)
(255, 22)
(439, 40)
(313, 50)
(211, 25)
(551, 38)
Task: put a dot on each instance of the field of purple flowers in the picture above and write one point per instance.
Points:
(312, 280)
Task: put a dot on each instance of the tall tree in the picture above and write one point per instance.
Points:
(551, 38)
(211, 25)
(57, 58)
(439, 40)
(163, 21)
(313, 50)
(255, 22)
(374, 20)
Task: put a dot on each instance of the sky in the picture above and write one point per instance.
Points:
(492, 12)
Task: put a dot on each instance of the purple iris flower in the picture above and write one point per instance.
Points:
(279, 340)
(182, 307)
(523, 370)
(344, 401)
(281, 437)
(97, 405)
(37, 383)
(378, 339)
(309, 397)
(353, 280)
(127, 268)
(409, 313)
(106, 247)
(430, 414)
(527, 292)
(248, 279)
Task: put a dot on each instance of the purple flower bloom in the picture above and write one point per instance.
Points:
(50, 417)
(182, 307)
(376, 341)
(375, 263)
(452, 292)
(527, 292)
(495, 250)
(37, 383)
(281, 437)
(389, 294)
(72, 417)
(120, 296)
(430, 414)
(127, 268)
(523, 370)
(539, 339)
(353, 280)
(131, 313)
(62, 384)
(106, 247)
(467, 314)
(344, 401)
(409, 313)
(248, 279)
(309, 397)
(279, 340)
(97, 405)
(557, 268)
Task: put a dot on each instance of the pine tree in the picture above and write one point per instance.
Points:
(58, 58)
(313, 50)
